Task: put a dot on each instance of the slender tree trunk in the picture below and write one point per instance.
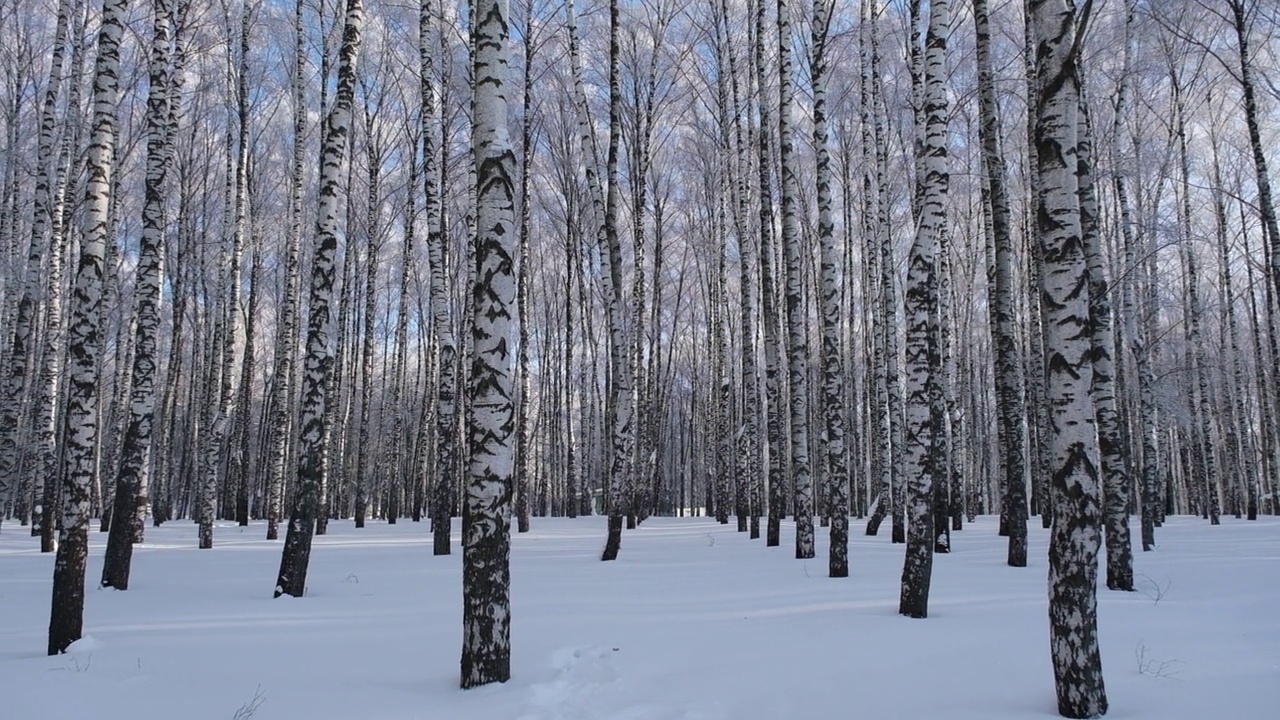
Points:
(796, 315)
(47, 167)
(373, 215)
(223, 396)
(1149, 473)
(832, 365)
(287, 338)
(443, 487)
(66, 619)
(1115, 465)
(620, 424)
(1239, 434)
(773, 354)
(131, 482)
(337, 129)
(923, 357)
(750, 443)
(1011, 411)
(239, 465)
(522, 291)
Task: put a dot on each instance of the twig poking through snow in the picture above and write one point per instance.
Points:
(1152, 589)
(248, 709)
(1167, 669)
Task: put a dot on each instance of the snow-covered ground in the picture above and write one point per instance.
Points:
(694, 621)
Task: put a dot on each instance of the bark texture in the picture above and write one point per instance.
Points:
(486, 575)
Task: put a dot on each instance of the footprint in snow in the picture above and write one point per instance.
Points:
(585, 684)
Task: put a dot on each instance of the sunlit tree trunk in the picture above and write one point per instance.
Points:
(131, 482)
(486, 629)
(620, 425)
(446, 460)
(66, 619)
(296, 555)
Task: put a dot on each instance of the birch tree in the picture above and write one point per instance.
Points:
(621, 427)
(1011, 408)
(66, 620)
(832, 364)
(1072, 442)
(796, 316)
(287, 339)
(24, 319)
(447, 354)
(131, 479)
(292, 579)
(486, 628)
(1102, 340)
(920, 305)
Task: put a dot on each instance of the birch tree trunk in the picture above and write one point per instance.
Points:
(522, 488)
(337, 129)
(796, 317)
(1266, 204)
(66, 619)
(131, 481)
(620, 424)
(1149, 471)
(486, 629)
(443, 488)
(1115, 472)
(238, 470)
(1012, 411)
(923, 354)
(223, 406)
(1072, 441)
(773, 355)
(750, 442)
(833, 387)
(1206, 471)
(287, 338)
(20, 352)
(882, 464)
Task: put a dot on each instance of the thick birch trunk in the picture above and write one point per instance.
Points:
(1072, 441)
(486, 645)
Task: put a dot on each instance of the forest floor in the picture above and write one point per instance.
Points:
(693, 621)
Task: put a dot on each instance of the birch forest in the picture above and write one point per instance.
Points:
(912, 261)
